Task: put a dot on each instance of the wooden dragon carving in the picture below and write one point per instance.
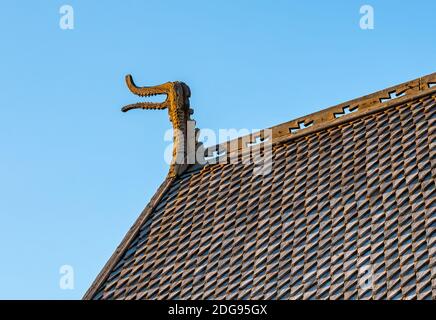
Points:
(177, 102)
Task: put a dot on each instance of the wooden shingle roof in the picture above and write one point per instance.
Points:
(348, 211)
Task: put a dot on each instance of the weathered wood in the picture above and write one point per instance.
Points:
(347, 212)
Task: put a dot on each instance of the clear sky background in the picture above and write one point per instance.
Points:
(75, 172)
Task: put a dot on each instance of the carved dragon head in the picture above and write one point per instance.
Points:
(177, 102)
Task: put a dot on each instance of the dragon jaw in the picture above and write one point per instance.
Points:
(166, 89)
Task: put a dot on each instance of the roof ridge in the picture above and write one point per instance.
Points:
(333, 115)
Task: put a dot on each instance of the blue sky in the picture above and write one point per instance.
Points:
(75, 172)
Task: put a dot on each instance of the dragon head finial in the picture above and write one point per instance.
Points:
(177, 102)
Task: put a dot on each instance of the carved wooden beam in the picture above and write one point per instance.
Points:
(330, 116)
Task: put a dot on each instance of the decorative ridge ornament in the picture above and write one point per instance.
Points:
(177, 102)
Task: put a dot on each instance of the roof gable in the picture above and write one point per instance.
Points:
(349, 196)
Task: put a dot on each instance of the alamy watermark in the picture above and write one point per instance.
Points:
(66, 21)
(228, 146)
(367, 19)
(66, 280)
(365, 277)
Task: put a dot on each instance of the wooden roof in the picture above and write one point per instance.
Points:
(347, 211)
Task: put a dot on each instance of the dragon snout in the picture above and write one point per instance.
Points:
(146, 91)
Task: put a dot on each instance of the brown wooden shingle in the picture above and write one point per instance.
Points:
(347, 212)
